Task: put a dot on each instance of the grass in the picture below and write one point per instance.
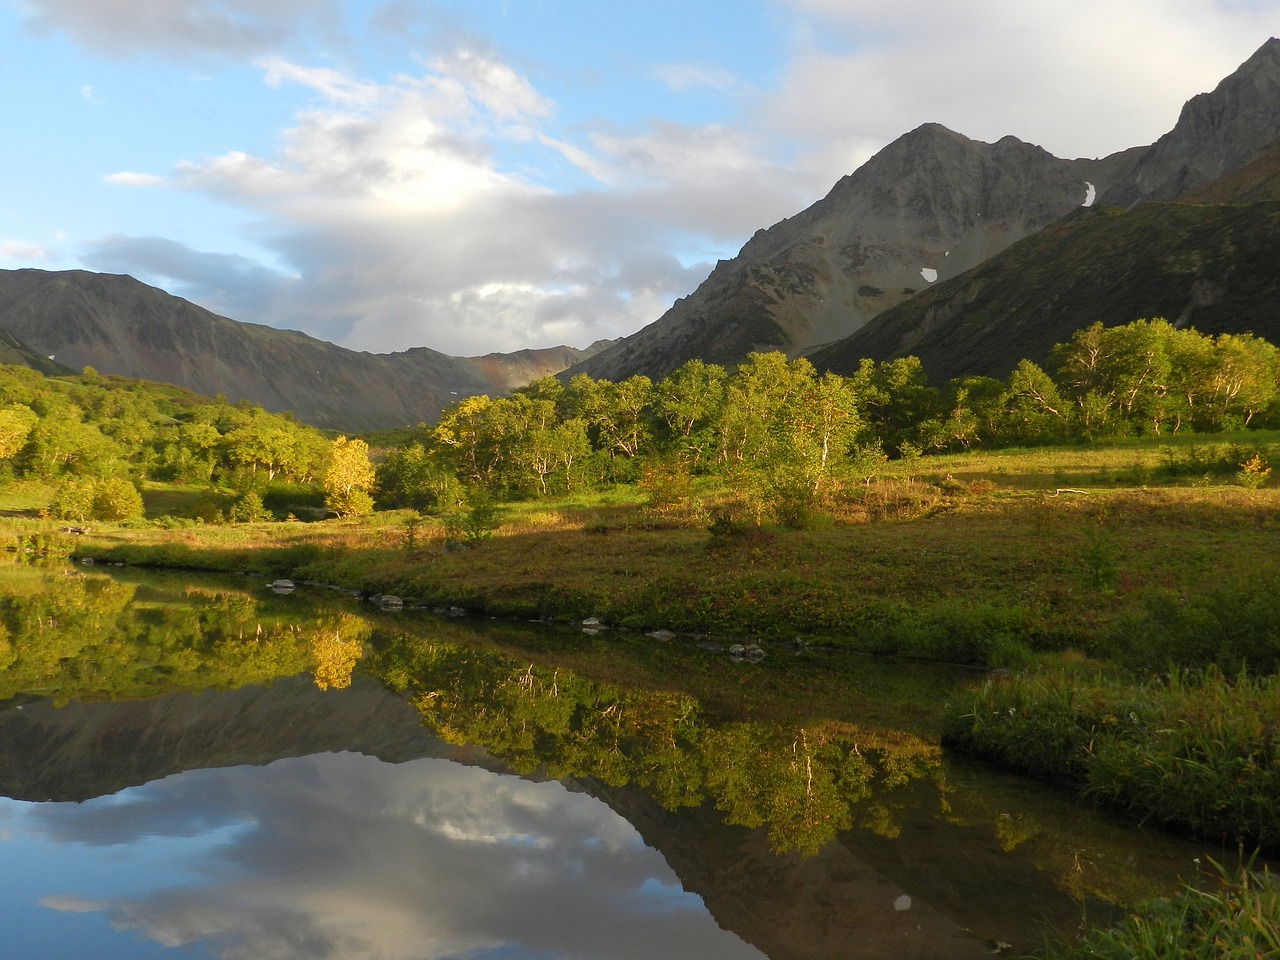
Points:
(1230, 915)
(1197, 752)
(962, 571)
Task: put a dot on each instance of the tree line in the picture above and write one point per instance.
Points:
(96, 440)
(775, 430)
(779, 427)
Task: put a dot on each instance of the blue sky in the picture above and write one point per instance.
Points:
(480, 176)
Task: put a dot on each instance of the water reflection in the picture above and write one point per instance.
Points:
(795, 797)
(345, 856)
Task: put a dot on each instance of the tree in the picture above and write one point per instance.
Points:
(1034, 410)
(349, 479)
(410, 477)
(615, 413)
(688, 402)
(96, 498)
(895, 399)
(471, 436)
(16, 423)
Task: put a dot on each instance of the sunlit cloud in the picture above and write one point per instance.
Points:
(396, 206)
(21, 250)
(128, 178)
(67, 904)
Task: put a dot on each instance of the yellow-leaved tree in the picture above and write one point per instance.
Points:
(349, 479)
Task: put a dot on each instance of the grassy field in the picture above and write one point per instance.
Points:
(953, 567)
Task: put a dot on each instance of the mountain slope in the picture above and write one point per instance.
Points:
(1211, 267)
(1216, 132)
(933, 201)
(121, 326)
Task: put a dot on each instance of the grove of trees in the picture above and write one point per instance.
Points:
(96, 440)
(775, 431)
(780, 434)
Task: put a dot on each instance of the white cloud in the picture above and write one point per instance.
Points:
(124, 28)
(870, 70)
(686, 77)
(128, 178)
(418, 211)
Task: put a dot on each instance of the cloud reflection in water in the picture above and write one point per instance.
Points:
(343, 856)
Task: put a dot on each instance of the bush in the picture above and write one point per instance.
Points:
(249, 509)
(113, 499)
(1195, 752)
(1231, 914)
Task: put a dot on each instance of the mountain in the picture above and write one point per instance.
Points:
(1211, 267)
(930, 206)
(121, 326)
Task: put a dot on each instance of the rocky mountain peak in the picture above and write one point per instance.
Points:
(929, 206)
(1215, 133)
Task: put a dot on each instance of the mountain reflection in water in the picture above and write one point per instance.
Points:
(341, 855)
(205, 769)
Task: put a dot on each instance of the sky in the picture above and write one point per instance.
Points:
(491, 175)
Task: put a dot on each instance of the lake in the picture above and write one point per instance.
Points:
(201, 767)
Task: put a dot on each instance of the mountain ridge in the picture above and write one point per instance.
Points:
(121, 326)
(925, 209)
(929, 207)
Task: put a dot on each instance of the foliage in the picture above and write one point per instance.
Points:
(96, 498)
(472, 522)
(349, 478)
(91, 435)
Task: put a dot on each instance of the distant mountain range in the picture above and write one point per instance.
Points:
(971, 255)
(121, 326)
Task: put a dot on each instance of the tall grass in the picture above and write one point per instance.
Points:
(1195, 751)
(1232, 915)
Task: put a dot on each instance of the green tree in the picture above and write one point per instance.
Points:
(83, 498)
(895, 398)
(349, 479)
(472, 436)
(411, 477)
(16, 423)
(616, 414)
(688, 401)
(1033, 409)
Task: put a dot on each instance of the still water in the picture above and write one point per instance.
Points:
(200, 768)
